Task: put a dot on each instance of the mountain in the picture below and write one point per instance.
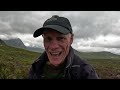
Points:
(16, 42)
(97, 55)
(35, 49)
(2, 42)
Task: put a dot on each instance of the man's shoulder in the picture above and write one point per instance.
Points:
(86, 67)
(41, 58)
(82, 62)
(37, 60)
(79, 60)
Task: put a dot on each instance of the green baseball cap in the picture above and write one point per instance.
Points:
(60, 24)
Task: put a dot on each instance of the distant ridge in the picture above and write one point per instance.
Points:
(97, 55)
(2, 42)
(87, 55)
(16, 42)
(35, 49)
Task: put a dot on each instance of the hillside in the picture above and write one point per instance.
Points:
(106, 64)
(2, 42)
(97, 55)
(16, 42)
(15, 62)
(35, 49)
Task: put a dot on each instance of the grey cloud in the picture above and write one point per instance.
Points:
(85, 23)
(83, 20)
(113, 45)
(89, 23)
(24, 22)
(110, 46)
(92, 24)
(17, 21)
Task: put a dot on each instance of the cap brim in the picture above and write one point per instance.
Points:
(58, 28)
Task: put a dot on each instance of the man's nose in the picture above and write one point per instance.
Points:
(54, 45)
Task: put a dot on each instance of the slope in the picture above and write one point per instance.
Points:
(15, 62)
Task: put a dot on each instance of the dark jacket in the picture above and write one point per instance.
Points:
(76, 68)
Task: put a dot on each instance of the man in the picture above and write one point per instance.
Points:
(59, 61)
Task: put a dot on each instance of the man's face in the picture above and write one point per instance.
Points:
(57, 46)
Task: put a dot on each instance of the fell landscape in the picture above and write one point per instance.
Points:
(96, 39)
(16, 62)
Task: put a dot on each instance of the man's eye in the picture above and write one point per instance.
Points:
(47, 39)
(61, 38)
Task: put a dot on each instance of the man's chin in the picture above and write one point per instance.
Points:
(56, 62)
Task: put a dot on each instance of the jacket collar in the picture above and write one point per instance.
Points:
(70, 57)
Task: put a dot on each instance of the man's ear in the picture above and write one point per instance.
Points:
(72, 35)
(43, 35)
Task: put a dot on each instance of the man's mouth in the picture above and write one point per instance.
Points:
(55, 53)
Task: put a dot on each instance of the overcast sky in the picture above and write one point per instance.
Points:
(93, 30)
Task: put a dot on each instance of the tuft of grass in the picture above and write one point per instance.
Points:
(106, 68)
(15, 62)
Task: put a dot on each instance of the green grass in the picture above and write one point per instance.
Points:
(15, 64)
(106, 64)
(107, 68)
